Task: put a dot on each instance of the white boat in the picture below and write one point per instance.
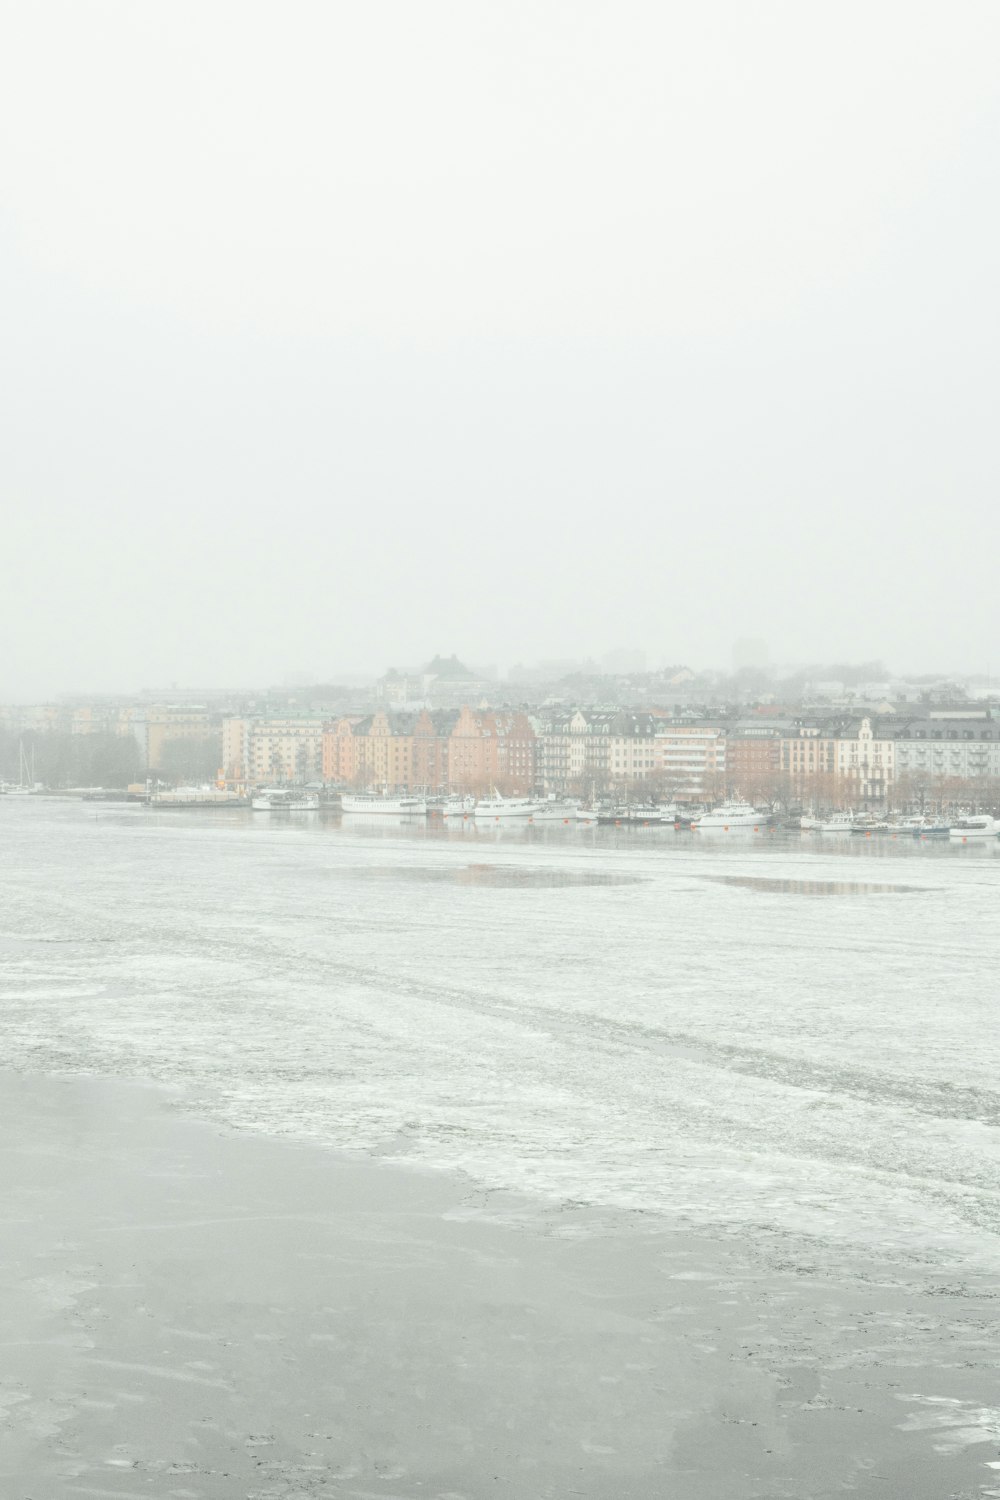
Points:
(505, 807)
(383, 802)
(282, 799)
(841, 822)
(585, 814)
(810, 824)
(732, 815)
(975, 826)
(26, 785)
(554, 812)
(458, 807)
(918, 827)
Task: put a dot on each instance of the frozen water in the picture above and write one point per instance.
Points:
(650, 1024)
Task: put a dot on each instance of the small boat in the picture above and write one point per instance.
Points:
(458, 807)
(505, 807)
(643, 813)
(382, 802)
(918, 827)
(585, 814)
(687, 817)
(732, 815)
(975, 826)
(840, 822)
(282, 799)
(870, 825)
(554, 812)
(810, 824)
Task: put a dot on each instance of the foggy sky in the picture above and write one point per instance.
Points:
(336, 335)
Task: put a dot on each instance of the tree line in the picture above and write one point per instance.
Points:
(57, 759)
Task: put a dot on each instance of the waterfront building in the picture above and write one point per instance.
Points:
(468, 750)
(934, 751)
(809, 764)
(690, 759)
(865, 762)
(492, 748)
(753, 759)
(157, 728)
(601, 747)
(273, 747)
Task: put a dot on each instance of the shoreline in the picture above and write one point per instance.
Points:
(205, 1314)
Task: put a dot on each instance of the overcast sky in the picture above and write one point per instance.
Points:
(338, 334)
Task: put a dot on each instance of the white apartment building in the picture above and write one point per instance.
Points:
(960, 746)
(865, 762)
(618, 747)
(603, 746)
(690, 759)
(273, 748)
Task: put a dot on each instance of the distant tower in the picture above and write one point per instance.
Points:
(750, 653)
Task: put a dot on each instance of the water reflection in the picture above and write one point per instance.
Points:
(815, 887)
(508, 877)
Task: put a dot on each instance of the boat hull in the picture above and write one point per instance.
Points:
(410, 807)
(293, 804)
(503, 814)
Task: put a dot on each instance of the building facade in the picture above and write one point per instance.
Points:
(278, 748)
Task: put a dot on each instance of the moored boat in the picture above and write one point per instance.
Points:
(497, 806)
(839, 822)
(975, 826)
(732, 815)
(196, 797)
(918, 827)
(383, 802)
(554, 812)
(643, 813)
(458, 807)
(283, 799)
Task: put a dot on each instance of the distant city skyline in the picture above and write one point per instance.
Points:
(520, 677)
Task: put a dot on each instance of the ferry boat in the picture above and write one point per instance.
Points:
(732, 815)
(505, 807)
(975, 826)
(282, 799)
(383, 802)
